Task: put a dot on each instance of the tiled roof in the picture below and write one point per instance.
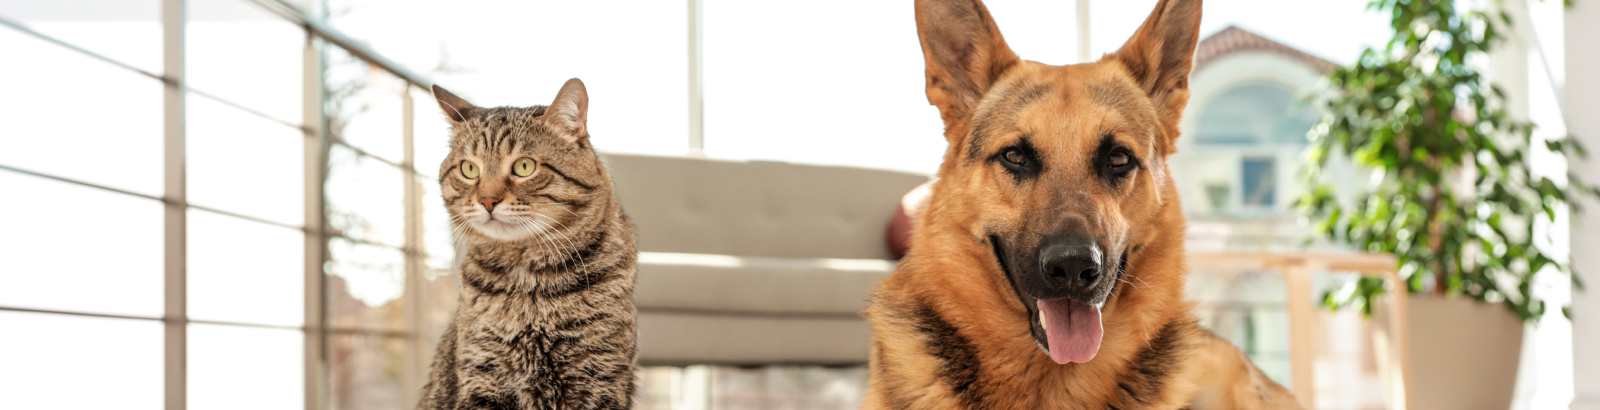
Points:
(1234, 39)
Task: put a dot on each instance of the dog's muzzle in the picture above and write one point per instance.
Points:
(1064, 282)
(1071, 267)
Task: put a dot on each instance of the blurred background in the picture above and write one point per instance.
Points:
(211, 204)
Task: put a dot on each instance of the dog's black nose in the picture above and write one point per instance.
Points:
(1071, 263)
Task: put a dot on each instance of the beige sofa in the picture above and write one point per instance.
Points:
(745, 263)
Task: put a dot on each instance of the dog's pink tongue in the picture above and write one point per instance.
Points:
(1072, 328)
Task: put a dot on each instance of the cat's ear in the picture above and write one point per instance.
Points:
(570, 110)
(453, 106)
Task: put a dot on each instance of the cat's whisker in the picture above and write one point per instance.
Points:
(568, 251)
(564, 235)
(571, 246)
(544, 235)
(564, 209)
(533, 234)
(555, 247)
(458, 220)
(565, 252)
(568, 237)
(563, 226)
(463, 225)
(560, 250)
(520, 278)
(458, 230)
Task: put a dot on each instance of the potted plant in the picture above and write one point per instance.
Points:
(1454, 195)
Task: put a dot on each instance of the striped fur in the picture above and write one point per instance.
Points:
(546, 315)
(952, 327)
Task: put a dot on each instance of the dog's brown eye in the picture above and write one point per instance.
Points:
(1119, 158)
(1014, 156)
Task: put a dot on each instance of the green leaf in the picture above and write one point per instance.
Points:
(1420, 117)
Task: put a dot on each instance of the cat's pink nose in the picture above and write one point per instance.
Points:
(488, 202)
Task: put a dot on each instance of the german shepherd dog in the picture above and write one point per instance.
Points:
(1047, 271)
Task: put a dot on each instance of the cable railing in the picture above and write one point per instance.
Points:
(318, 327)
(294, 14)
(321, 29)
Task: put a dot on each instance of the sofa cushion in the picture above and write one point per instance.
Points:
(752, 208)
(722, 284)
(675, 339)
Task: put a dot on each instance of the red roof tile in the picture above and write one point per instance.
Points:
(1234, 39)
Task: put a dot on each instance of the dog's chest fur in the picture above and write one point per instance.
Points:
(939, 364)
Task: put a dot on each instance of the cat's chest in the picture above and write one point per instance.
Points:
(514, 317)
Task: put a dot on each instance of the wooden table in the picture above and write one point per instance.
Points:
(1297, 268)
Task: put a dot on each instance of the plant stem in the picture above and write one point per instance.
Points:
(1441, 280)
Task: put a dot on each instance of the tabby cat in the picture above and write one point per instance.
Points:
(546, 318)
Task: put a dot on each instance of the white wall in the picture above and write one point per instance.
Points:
(1581, 102)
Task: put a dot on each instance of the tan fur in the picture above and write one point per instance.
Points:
(949, 331)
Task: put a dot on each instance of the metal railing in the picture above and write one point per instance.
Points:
(175, 316)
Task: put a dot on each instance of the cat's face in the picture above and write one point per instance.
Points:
(518, 174)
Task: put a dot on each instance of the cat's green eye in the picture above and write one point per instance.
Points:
(524, 167)
(469, 169)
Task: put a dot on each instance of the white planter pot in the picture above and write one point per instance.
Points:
(1463, 354)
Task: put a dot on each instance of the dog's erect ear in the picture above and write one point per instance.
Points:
(570, 110)
(1160, 55)
(453, 106)
(964, 53)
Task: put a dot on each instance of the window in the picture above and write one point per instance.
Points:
(638, 84)
(240, 367)
(244, 163)
(1219, 196)
(126, 32)
(813, 83)
(72, 115)
(1254, 114)
(1240, 137)
(237, 280)
(89, 271)
(1258, 183)
(246, 56)
(39, 272)
(121, 358)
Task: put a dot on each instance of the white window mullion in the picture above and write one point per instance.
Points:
(175, 313)
(1084, 53)
(697, 117)
(316, 391)
(415, 360)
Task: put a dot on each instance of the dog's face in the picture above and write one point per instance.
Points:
(1066, 166)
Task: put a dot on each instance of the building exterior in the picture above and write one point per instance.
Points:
(1238, 174)
(1244, 137)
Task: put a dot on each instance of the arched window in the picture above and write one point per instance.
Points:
(1254, 114)
(1252, 121)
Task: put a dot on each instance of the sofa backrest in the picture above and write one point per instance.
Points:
(757, 208)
